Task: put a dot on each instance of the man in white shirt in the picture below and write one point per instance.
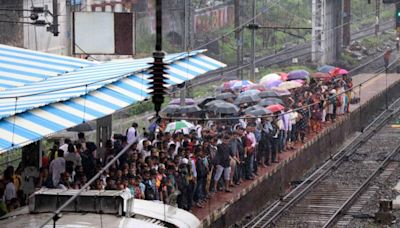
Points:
(64, 147)
(132, 134)
(57, 166)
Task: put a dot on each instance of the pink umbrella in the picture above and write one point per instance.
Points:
(284, 76)
(338, 71)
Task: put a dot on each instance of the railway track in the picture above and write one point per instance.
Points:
(299, 51)
(327, 194)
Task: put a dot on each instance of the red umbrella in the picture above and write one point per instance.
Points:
(275, 108)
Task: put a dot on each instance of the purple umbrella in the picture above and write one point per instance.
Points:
(273, 83)
(188, 101)
(298, 74)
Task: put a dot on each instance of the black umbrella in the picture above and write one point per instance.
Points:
(188, 109)
(247, 98)
(252, 108)
(270, 101)
(224, 96)
(213, 103)
(223, 107)
(269, 93)
(83, 127)
(260, 112)
(204, 101)
(171, 109)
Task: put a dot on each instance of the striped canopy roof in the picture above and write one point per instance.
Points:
(29, 113)
(19, 67)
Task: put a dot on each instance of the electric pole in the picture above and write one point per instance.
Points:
(377, 14)
(253, 44)
(239, 41)
(346, 22)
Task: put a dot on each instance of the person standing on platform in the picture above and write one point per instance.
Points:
(57, 166)
(132, 134)
(223, 163)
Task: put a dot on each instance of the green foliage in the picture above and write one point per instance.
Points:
(348, 59)
(372, 42)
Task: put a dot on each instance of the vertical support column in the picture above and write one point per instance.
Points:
(253, 45)
(377, 16)
(317, 30)
(186, 25)
(338, 29)
(103, 133)
(238, 39)
(346, 22)
(326, 33)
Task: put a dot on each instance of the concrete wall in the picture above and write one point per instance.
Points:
(313, 155)
(11, 33)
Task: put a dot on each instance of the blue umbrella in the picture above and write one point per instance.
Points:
(326, 68)
(298, 74)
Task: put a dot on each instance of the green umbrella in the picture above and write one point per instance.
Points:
(179, 125)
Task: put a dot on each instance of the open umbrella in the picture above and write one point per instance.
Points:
(241, 84)
(187, 101)
(290, 85)
(270, 101)
(275, 108)
(83, 127)
(213, 104)
(247, 98)
(321, 76)
(326, 68)
(252, 108)
(228, 85)
(284, 76)
(171, 109)
(268, 93)
(260, 112)
(269, 77)
(202, 102)
(179, 125)
(338, 71)
(224, 96)
(255, 87)
(188, 109)
(223, 107)
(298, 74)
(251, 92)
(282, 92)
(272, 83)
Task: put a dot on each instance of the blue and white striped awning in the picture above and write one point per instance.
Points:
(20, 67)
(46, 107)
(182, 67)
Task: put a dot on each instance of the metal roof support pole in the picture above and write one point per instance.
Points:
(317, 9)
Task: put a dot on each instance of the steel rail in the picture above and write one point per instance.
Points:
(346, 205)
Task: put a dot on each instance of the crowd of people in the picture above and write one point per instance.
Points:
(187, 168)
